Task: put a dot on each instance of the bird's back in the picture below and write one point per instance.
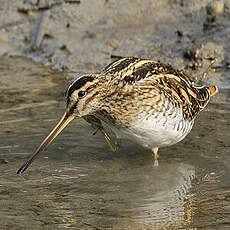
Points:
(174, 84)
(153, 102)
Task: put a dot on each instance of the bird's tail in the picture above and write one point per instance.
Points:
(213, 90)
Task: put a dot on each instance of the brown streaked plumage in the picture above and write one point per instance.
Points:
(143, 100)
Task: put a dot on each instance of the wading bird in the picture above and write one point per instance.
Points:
(139, 99)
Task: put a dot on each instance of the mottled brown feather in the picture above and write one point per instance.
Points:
(174, 84)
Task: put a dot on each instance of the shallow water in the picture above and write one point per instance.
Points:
(78, 183)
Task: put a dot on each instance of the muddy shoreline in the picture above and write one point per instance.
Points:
(81, 36)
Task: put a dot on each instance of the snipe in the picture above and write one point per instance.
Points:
(143, 100)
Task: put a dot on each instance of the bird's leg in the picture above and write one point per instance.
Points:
(113, 146)
(96, 123)
(156, 156)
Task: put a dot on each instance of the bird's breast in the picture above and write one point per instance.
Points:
(158, 129)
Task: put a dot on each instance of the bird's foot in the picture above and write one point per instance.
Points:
(156, 163)
(95, 122)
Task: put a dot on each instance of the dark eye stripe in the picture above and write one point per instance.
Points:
(78, 84)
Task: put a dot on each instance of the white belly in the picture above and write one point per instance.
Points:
(158, 131)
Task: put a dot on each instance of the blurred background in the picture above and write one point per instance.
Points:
(78, 183)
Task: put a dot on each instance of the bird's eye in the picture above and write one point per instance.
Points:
(81, 93)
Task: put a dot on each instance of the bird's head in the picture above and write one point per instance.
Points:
(84, 97)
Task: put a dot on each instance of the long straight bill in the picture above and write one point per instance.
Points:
(65, 120)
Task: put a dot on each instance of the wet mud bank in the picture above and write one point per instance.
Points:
(82, 36)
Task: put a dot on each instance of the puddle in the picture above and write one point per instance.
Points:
(78, 183)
